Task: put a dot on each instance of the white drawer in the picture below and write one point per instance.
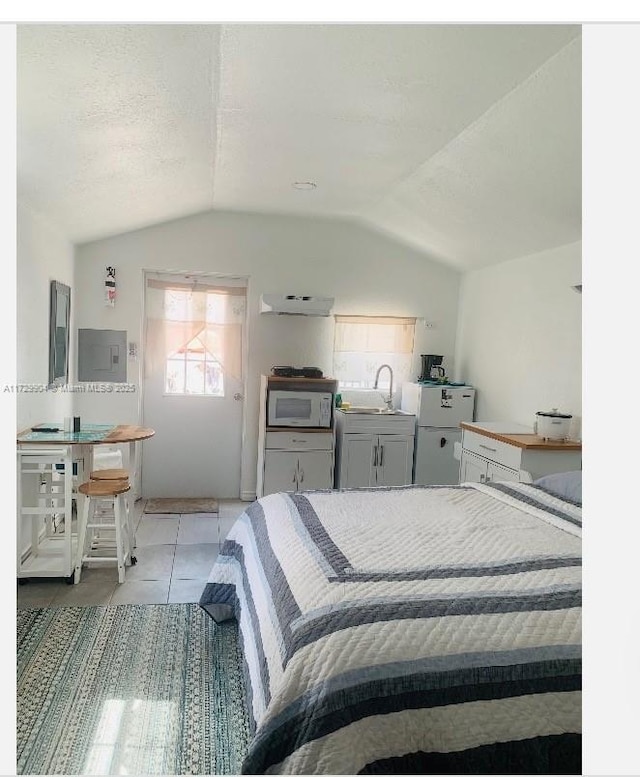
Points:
(300, 441)
(494, 450)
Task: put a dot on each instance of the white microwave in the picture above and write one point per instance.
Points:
(299, 408)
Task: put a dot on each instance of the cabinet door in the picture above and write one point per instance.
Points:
(473, 469)
(315, 470)
(356, 461)
(395, 459)
(280, 468)
(496, 472)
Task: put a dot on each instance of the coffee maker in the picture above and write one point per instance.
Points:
(432, 368)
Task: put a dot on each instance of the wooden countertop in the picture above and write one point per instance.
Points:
(129, 433)
(528, 441)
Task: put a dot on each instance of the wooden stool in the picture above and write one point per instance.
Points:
(109, 474)
(117, 474)
(96, 490)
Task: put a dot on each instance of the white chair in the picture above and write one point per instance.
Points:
(118, 474)
(92, 545)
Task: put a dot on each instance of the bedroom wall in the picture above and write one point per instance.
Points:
(366, 272)
(520, 336)
(44, 255)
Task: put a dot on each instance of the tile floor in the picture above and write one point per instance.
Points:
(175, 554)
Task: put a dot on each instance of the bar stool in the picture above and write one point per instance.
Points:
(94, 491)
(117, 474)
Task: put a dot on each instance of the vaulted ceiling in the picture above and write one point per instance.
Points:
(462, 140)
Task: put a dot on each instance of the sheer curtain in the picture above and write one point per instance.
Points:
(178, 312)
(363, 343)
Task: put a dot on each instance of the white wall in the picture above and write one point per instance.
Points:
(44, 255)
(366, 272)
(520, 336)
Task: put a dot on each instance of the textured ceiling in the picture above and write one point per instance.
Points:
(463, 140)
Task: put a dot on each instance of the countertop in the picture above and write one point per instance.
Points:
(519, 435)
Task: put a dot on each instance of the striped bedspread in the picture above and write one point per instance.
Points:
(408, 630)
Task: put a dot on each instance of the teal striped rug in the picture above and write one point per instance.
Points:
(129, 689)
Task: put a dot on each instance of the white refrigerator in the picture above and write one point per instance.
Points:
(438, 409)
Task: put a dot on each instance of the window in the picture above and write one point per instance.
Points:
(194, 336)
(192, 369)
(363, 343)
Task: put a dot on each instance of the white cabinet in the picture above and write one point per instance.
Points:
(502, 451)
(297, 470)
(374, 450)
(294, 458)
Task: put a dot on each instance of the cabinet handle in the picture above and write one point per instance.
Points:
(482, 478)
(294, 440)
(301, 475)
(381, 455)
(375, 455)
(487, 448)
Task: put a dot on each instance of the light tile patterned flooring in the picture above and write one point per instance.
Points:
(175, 554)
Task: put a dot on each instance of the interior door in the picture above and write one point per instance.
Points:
(193, 385)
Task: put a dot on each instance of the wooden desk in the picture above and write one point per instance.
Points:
(50, 456)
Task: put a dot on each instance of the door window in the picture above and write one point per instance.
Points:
(194, 336)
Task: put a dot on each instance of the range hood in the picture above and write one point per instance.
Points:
(296, 305)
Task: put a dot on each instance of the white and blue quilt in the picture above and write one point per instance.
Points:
(408, 630)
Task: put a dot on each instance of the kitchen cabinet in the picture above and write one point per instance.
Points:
(476, 469)
(308, 467)
(293, 458)
(374, 450)
(494, 451)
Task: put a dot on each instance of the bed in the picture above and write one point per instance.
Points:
(408, 630)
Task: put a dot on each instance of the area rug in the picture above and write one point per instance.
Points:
(129, 689)
(181, 506)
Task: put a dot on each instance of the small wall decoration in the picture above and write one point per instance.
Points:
(110, 287)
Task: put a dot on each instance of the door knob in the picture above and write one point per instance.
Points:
(237, 396)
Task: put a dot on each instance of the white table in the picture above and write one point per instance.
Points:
(45, 540)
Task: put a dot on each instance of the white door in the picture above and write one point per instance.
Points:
(435, 464)
(473, 469)
(280, 471)
(356, 467)
(193, 385)
(395, 457)
(315, 470)
(495, 472)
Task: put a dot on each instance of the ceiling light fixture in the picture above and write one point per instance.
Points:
(306, 186)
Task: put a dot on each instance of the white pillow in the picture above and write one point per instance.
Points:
(567, 485)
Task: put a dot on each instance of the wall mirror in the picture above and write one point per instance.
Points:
(60, 310)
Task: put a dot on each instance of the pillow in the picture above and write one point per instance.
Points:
(567, 485)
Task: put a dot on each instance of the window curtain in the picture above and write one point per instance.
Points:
(178, 311)
(363, 343)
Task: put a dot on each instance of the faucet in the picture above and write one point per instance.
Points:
(389, 400)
